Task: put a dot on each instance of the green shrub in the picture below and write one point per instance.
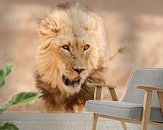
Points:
(19, 98)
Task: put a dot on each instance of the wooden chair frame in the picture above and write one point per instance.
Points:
(146, 107)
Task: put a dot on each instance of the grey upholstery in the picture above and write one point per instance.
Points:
(131, 105)
(131, 111)
(143, 77)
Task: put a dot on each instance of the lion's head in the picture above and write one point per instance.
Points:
(73, 45)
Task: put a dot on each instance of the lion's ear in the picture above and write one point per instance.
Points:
(48, 28)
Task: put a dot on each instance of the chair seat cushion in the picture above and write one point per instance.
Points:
(131, 111)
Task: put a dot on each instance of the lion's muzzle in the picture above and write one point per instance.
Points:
(71, 82)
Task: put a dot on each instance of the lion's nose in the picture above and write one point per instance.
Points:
(78, 70)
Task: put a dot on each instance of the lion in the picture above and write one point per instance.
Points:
(72, 54)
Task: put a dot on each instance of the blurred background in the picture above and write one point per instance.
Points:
(135, 24)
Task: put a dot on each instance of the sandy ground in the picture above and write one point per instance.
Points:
(138, 25)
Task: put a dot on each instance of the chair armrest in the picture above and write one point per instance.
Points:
(98, 91)
(102, 85)
(148, 100)
(148, 88)
(159, 93)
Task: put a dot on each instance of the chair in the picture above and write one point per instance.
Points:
(137, 106)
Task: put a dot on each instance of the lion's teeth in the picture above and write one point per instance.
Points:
(72, 82)
(76, 79)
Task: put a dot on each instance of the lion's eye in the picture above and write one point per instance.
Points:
(86, 47)
(66, 47)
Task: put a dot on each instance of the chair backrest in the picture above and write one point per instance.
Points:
(143, 77)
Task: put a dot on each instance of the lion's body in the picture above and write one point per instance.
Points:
(73, 53)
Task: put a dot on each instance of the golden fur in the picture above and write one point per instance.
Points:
(73, 51)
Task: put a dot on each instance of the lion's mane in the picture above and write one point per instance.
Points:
(46, 75)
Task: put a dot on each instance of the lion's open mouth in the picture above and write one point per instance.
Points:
(69, 82)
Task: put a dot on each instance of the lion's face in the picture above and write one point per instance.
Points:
(71, 48)
(72, 53)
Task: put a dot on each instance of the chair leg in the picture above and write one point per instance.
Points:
(146, 110)
(94, 122)
(124, 125)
